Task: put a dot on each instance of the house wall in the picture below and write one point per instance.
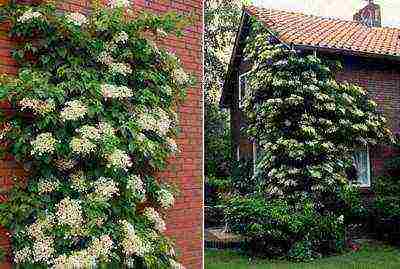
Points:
(185, 219)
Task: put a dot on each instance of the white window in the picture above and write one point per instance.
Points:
(361, 161)
(242, 88)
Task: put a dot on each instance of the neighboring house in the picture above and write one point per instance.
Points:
(185, 219)
(370, 55)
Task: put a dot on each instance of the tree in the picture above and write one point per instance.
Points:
(221, 22)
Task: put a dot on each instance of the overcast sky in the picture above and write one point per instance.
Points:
(336, 8)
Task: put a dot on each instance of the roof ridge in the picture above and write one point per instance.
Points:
(247, 8)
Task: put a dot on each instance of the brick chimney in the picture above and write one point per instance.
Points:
(370, 15)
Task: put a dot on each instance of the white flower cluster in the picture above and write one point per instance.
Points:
(119, 3)
(136, 186)
(76, 18)
(37, 106)
(89, 132)
(119, 159)
(78, 181)
(43, 144)
(105, 188)
(152, 215)
(122, 37)
(47, 186)
(175, 264)
(29, 15)
(23, 255)
(106, 129)
(180, 76)
(105, 58)
(69, 212)
(156, 120)
(165, 198)
(120, 68)
(43, 250)
(73, 110)
(112, 91)
(78, 259)
(101, 247)
(133, 244)
(173, 147)
(82, 146)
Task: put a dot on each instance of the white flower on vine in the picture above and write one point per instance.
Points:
(105, 188)
(165, 198)
(122, 37)
(105, 58)
(29, 15)
(89, 132)
(74, 110)
(172, 145)
(23, 255)
(69, 212)
(76, 18)
(43, 250)
(135, 184)
(152, 215)
(47, 185)
(119, 3)
(43, 144)
(37, 106)
(180, 76)
(101, 247)
(132, 243)
(175, 264)
(119, 159)
(77, 259)
(82, 146)
(118, 92)
(120, 68)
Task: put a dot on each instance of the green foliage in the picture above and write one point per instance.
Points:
(307, 127)
(94, 120)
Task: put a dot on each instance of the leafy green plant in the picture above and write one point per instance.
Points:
(95, 117)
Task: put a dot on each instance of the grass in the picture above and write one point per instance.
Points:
(368, 257)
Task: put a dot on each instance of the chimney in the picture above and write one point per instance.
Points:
(370, 15)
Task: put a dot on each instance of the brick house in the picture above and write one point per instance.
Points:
(185, 219)
(370, 55)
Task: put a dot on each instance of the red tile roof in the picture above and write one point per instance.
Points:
(308, 30)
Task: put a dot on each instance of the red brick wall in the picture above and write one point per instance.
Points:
(185, 220)
(382, 81)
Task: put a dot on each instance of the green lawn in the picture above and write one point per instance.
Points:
(368, 257)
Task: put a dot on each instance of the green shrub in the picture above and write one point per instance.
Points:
(275, 227)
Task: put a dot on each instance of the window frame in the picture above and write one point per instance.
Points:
(240, 97)
(368, 184)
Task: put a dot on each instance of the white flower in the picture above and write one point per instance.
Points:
(105, 58)
(165, 198)
(341, 219)
(122, 37)
(105, 188)
(180, 76)
(78, 181)
(172, 145)
(119, 3)
(136, 186)
(133, 244)
(89, 132)
(73, 110)
(69, 213)
(76, 18)
(119, 159)
(47, 185)
(22, 256)
(29, 15)
(152, 215)
(37, 229)
(120, 68)
(118, 92)
(155, 120)
(175, 264)
(77, 260)
(44, 144)
(101, 247)
(82, 146)
(43, 250)
(37, 106)
(106, 129)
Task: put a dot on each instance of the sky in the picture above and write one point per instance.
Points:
(336, 8)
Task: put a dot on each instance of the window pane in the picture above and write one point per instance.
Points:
(361, 160)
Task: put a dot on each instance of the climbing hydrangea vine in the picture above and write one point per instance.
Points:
(94, 118)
